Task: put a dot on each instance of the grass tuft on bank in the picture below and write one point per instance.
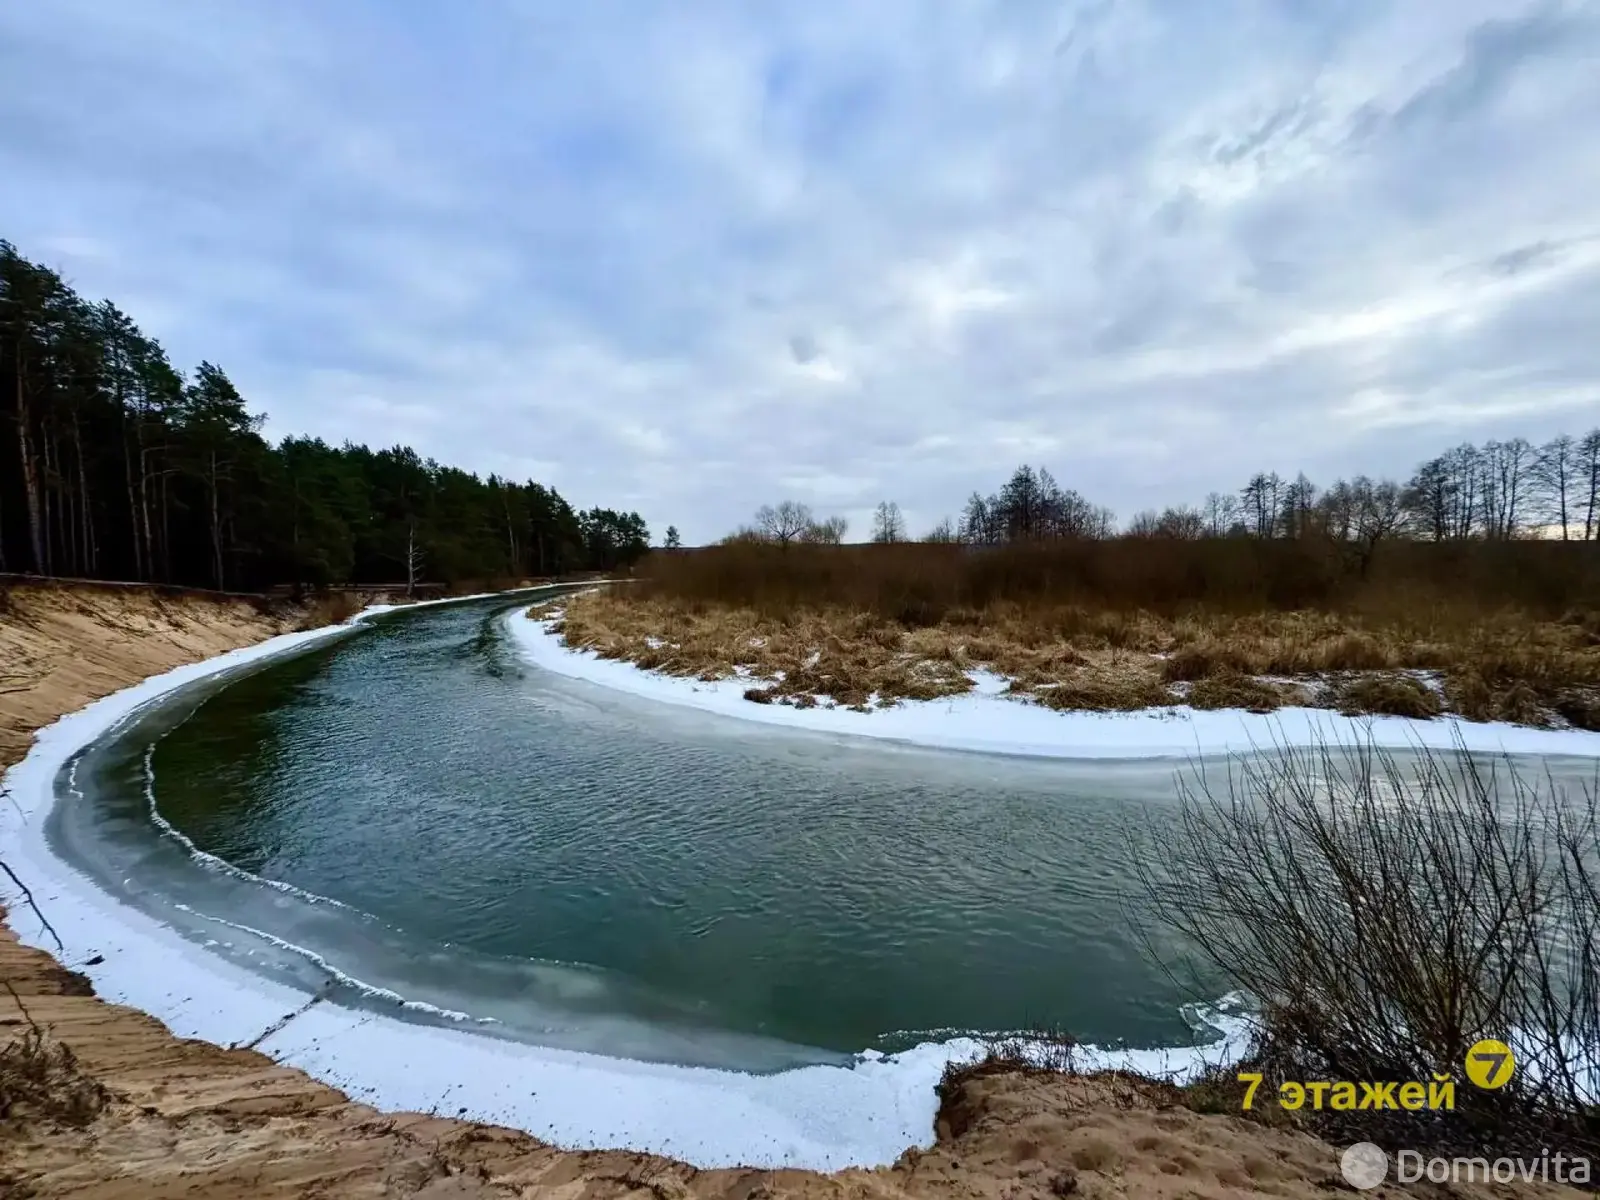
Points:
(40, 1079)
(1490, 631)
(1505, 665)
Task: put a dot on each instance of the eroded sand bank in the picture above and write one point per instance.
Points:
(190, 1118)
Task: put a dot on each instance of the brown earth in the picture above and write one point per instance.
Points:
(119, 1108)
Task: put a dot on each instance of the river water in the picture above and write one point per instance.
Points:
(410, 818)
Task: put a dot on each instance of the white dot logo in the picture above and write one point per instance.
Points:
(1364, 1166)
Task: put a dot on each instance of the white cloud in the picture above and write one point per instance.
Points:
(689, 257)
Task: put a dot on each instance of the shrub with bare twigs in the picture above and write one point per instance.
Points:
(40, 1078)
(1387, 911)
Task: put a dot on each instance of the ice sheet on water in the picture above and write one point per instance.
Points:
(821, 1116)
(988, 721)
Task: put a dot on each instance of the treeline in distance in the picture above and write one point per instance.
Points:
(1500, 491)
(114, 464)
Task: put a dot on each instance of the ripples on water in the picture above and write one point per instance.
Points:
(587, 869)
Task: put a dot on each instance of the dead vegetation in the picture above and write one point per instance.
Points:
(39, 1076)
(1503, 666)
(1393, 695)
(1491, 630)
(1387, 912)
(330, 608)
(1235, 689)
(1056, 1056)
(188, 1118)
(1384, 912)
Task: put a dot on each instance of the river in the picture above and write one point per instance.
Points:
(412, 819)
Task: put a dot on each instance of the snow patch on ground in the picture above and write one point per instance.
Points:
(820, 1117)
(988, 721)
(988, 683)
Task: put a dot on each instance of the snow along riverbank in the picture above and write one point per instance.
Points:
(987, 721)
(823, 1117)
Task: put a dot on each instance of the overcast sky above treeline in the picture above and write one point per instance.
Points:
(693, 257)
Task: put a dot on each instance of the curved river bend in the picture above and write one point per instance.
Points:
(411, 819)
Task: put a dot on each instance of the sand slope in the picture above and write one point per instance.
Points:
(190, 1119)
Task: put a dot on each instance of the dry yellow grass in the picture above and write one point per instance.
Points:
(1505, 667)
(1234, 689)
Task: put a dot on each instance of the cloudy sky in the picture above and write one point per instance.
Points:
(691, 257)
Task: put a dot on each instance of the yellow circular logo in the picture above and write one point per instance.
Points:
(1490, 1064)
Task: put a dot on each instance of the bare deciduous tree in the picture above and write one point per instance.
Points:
(1497, 490)
(825, 533)
(1145, 523)
(783, 523)
(1299, 499)
(413, 558)
(1379, 514)
(1337, 507)
(1221, 513)
(978, 524)
(1589, 483)
(1175, 521)
(1183, 521)
(1464, 471)
(1260, 498)
(1553, 479)
(1507, 468)
(887, 523)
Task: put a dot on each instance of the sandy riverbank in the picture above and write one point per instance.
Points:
(187, 1117)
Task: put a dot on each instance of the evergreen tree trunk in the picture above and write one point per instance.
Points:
(94, 397)
(297, 559)
(140, 552)
(511, 532)
(49, 503)
(216, 526)
(68, 505)
(30, 474)
(133, 510)
(144, 497)
(166, 529)
(85, 516)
